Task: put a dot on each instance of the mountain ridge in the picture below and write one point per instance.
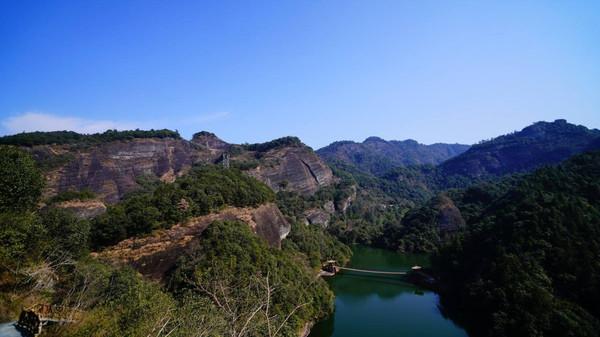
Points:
(377, 155)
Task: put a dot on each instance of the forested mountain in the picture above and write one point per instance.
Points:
(518, 248)
(527, 263)
(539, 144)
(377, 156)
(216, 257)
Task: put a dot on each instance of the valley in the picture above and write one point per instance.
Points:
(147, 233)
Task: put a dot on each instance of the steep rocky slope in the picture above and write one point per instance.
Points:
(111, 168)
(377, 156)
(539, 144)
(283, 164)
(292, 168)
(154, 255)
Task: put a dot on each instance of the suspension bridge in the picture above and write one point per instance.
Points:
(331, 268)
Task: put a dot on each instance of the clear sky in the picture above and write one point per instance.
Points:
(251, 71)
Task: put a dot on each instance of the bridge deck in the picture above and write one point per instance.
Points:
(374, 271)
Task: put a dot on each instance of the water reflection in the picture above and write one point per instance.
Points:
(383, 305)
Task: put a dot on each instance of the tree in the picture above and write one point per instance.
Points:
(21, 182)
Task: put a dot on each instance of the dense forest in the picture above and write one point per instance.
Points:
(71, 137)
(230, 282)
(159, 205)
(527, 264)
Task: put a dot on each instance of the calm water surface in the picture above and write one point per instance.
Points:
(383, 306)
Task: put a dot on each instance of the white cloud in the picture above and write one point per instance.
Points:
(41, 121)
(37, 121)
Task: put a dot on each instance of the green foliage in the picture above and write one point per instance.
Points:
(44, 256)
(84, 194)
(279, 142)
(377, 156)
(316, 244)
(21, 182)
(160, 205)
(542, 143)
(70, 137)
(232, 265)
(125, 305)
(65, 233)
(528, 264)
(423, 229)
(20, 234)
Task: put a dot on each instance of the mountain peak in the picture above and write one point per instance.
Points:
(541, 143)
(378, 156)
(209, 140)
(374, 139)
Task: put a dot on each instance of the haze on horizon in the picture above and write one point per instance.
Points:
(454, 72)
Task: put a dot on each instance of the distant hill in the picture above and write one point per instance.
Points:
(378, 156)
(539, 144)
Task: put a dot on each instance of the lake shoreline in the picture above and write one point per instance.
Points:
(383, 305)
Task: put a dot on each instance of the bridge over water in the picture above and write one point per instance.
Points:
(331, 267)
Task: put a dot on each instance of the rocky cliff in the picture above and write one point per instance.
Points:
(292, 168)
(112, 168)
(154, 255)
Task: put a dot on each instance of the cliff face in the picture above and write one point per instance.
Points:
(155, 255)
(111, 169)
(296, 169)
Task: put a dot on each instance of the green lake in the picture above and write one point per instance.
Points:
(383, 306)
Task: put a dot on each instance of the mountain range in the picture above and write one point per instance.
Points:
(378, 156)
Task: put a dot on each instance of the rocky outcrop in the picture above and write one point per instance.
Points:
(111, 169)
(294, 168)
(154, 255)
(83, 209)
(449, 218)
(320, 216)
(346, 202)
(208, 141)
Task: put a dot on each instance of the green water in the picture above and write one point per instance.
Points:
(383, 306)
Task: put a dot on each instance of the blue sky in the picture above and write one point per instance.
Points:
(250, 71)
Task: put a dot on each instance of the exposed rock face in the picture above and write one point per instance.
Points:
(449, 217)
(320, 216)
(154, 255)
(292, 168)
(343, 204)
(111, 169)
(317, 216)
(83, 209)
(209, 141)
